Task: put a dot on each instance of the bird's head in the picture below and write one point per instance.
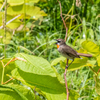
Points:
(60, 42)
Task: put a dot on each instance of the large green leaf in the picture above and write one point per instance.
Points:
(28, 10)
(37, 73)
(14, 24)
(34, 64)
(50, 87)
(91, 47)
(15, 92)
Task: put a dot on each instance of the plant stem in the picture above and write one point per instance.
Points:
(2, 72)
(63, 20)
(5, 18)
(66, 81)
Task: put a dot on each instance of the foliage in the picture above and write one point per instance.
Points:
(40, 77)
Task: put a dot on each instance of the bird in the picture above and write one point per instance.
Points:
(68, 52)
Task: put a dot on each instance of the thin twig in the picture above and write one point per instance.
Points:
(63, 20)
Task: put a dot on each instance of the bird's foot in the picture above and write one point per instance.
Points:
(66, 67)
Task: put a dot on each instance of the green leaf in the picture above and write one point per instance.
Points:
(34, 64)
(1, 0)
(61, 80)
(32, 1)
(77, 64)
(15, 2)
(15, 92)
(6, 39)
(49, 86)
(14, 24)
(20, 2)
(91, 47)
(37, 72)
(97, 84)
(33, 11)
(97, 98)
(57, 60)
(73, 95)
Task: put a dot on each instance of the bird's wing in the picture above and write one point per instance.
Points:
(70, 51)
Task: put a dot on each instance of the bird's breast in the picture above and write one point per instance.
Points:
(58, 46)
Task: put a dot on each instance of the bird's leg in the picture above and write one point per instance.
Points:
(69, 65)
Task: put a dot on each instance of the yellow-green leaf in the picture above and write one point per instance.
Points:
(33, 11)
(6, 38)
(15, 2)
(57, 60)
(91, 47)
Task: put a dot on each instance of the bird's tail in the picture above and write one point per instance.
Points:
(85, 55)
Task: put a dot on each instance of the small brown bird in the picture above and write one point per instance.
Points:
(68, 52)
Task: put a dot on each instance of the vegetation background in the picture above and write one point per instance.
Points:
(31, 67)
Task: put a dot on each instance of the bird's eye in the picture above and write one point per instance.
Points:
(59, 41)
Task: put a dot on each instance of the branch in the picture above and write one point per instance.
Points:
(63, 20)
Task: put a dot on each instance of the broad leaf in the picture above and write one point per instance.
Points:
(34, 64)
(15, 92)
(77, 63)
(91, 47)
(15, 2)
(37, 73)
(28, 10)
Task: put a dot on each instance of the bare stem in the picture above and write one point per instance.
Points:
(66, 80)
